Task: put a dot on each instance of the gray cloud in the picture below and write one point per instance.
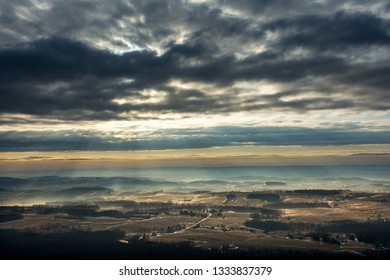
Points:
(335, 32)
(189, 138)
(74, 60)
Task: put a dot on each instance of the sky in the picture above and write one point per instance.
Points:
(129, 84)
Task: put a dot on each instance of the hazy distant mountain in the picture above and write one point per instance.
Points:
(84, 191)
(56, 182)
(9, 181)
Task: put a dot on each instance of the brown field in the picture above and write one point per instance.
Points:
(206, 228)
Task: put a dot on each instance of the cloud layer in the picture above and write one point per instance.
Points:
(105, 60)
(189, 138)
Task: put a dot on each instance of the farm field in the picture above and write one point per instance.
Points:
(323, 220)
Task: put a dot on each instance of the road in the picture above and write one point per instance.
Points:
(199, 222)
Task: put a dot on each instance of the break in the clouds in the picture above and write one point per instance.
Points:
(104, 60)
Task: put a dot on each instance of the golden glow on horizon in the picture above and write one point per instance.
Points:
(219, 156)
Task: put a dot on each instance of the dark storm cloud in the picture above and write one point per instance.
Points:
(62, 59)
(334, 32)
(283, 8)
(289, 69)
(59, 76)
(72, 81)
(70, 60)
(370, 75)
(189, 138)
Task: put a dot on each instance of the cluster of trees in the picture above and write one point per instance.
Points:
(323, 237)
(12, 209)
(192, 213)
(266, 214)
(374, 232)
(270, 225)
(319, 192)
(263, 196)
(289, 205)
(6, 217)
(85, 210)
(104, 245)
(231, 196)
(10, 213)
(72, 210)
(171, 229)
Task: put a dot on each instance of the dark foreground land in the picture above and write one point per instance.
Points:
(299, 224)
(104, 245)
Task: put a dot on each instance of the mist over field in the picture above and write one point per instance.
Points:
(57, 183)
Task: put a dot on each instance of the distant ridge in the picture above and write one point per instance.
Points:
(84, 191)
